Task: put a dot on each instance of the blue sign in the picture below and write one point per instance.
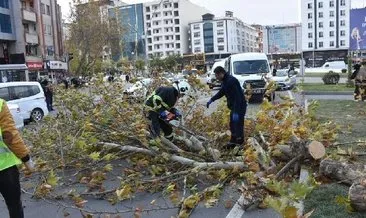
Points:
(358, 29)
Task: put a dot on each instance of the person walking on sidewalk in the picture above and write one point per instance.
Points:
(236, 103)
(13, 152)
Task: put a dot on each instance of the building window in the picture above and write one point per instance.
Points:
(320, 5)
(343, 22)
(321, 44)
(5, 23)
(220, 32)
(310, 16)
(177, 37)
(310, 5)
(321, 25)
(343, 2)
(220, 40)
(176, 5)
(343, 43)
(177, 45)
(320, 14)
(177, 29)
(321, 34)
(221, 48)
(176, 13)
(331, 13)
(148, 17)
(147, 9)
(26, 27)
(331, 4)
(176, 21)
(331, 23)
(310, 25)
(48, 10)
(4, 3)
(197, 50)
(220, 24)
(197, 34)
(343, 33)
(196, 27)
(331, 33)
(331, 43)
(43, 11)
(197, 42)
(310, 44)
(310, 35)
(343, 12)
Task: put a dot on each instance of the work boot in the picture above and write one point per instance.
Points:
(231, 146)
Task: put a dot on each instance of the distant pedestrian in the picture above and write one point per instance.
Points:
(127, 78)
(48, 92)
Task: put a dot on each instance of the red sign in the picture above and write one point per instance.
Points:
(32, 65)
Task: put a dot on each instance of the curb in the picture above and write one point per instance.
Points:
(327, 93)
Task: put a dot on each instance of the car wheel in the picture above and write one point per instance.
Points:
(37, 115)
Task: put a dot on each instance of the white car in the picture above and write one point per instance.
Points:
(211, 78)
(284, 79)
(29, 96)
(138, 89)
(17, 115)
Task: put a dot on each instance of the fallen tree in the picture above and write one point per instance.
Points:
(97, 127)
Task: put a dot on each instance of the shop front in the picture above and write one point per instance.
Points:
(34, 68)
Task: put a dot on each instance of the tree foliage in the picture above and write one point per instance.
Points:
(91, 34)
(98, 127)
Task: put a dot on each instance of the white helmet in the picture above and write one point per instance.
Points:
(183, 87)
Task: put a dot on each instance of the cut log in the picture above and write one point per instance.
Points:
(316, 150)
(357, 195)
(341, 171)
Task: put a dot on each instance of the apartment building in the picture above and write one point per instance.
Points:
(325, 30)
(282, 39)
(224, 35)
(167, 26)
(259, 39)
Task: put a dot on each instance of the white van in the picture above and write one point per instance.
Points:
(17, 116)
(251, 69)
(211, 78)
(29, 96)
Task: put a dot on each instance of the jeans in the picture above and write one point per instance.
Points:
(10, 190)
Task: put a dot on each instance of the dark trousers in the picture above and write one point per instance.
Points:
(156, 124)
(49, 102)
(237, 129)
(10, 190)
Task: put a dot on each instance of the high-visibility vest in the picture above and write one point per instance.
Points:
(7, 157)
(155, 106)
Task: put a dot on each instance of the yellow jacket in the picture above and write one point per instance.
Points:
(11, 135)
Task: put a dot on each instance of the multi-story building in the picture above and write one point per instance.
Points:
(167, 25)
(42, 35)
(325, 30)
(282, 39)
(131, 18)
(222, 35)
(259, 39)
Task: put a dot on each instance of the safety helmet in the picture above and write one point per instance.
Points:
(182, 87)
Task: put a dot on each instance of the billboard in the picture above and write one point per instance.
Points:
(282, 40)
(358, 29)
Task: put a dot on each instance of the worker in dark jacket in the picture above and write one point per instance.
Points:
(236, 102)
(160, 106)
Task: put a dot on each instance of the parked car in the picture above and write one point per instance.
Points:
(138, 89)
(285, 80)
(29, 96)
(211, 78)
(335, 66)
(17, 116)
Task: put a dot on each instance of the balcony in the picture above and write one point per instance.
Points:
(31, 38)
(29, 15)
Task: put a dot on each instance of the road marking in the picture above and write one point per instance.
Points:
(237, 211)
(290, 94)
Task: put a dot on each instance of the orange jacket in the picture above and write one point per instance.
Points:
(11, 135)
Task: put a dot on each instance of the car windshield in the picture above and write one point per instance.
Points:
(282, 73)
(250, 67)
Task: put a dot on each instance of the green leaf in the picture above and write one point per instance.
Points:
(52, 179)
(108, 168)
(94, 156)
(300, 190)
(290, 212)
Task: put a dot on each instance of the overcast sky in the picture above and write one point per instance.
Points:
(264, 12)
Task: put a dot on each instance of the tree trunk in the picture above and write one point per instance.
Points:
(357, 195)
(341, 171)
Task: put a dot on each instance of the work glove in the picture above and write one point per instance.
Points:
(29, 165)
(208, 103)
(164, 115)
(235, 117)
